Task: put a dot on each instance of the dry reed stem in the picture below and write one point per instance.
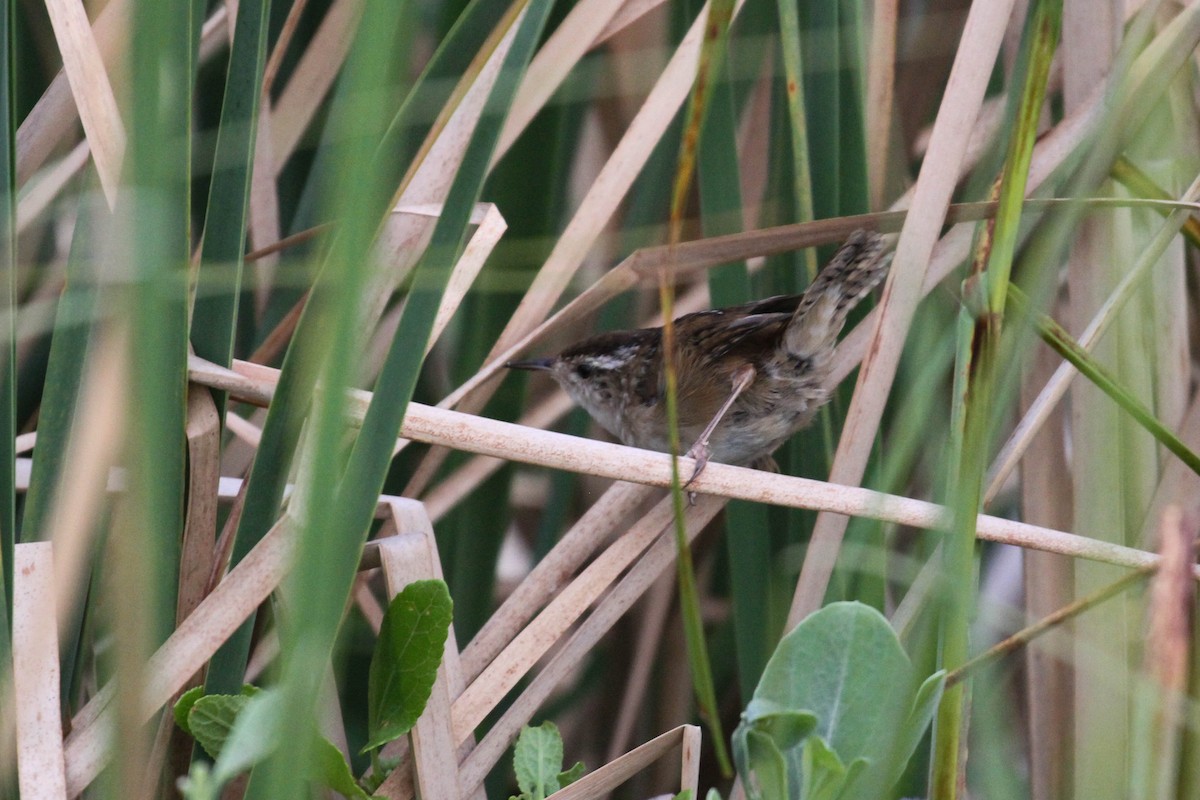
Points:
(567, 606)
(90, 743)
(600, 782)
(608, 189)
(973, 63)
(282, 42)
(91, 89)
(645, 652)
(52, 116)
(1099, 324)
(1168, 649)
(448, 493)
(616, 602)
(881, 84)
(585, 456)
(35, 676)
(203, 431)
(552, 573)
(404, 238)
(313, 76)
(554, 60)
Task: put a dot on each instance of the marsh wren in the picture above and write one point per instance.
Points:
(749, 376)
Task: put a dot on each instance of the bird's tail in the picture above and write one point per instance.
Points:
(852, 272)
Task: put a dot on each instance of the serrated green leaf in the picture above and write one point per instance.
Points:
(412, 639)
(537, 760)
(569, 776)
(184, 705)
(330, 769)
(211, 717)
(254, 736)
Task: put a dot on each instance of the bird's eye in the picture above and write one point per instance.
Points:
(584, 371)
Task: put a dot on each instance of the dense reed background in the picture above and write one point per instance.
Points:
(264, 260)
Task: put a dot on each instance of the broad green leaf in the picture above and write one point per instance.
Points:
(845, 665)
(836, 714)
(255, 734)
(823, 772)
(183, 707)
(537, 760)
(923, 708)
(210, 718)
(330, 769)
(569, 776)
(787, 728)
(764, 771)
(404, 666)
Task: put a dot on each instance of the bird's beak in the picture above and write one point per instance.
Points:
(537, 364)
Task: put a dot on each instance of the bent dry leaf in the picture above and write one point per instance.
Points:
(412, 639)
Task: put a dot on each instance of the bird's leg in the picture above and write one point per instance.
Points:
(742, 378)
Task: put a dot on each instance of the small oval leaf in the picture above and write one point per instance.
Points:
(412, 639)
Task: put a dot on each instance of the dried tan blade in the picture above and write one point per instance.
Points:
(489, 227)
(406, 558)
(977, 51)
(86, 476)
(91, 89)
(614, 605)
(881, 80)
(503, 439)
(552, 573)
(600, 782)
(52, 117)
(312, 78)
(645, 652)
(42, 191)
(89, 746)
(608, 189)
(1097, 326)
(40, 771)
(536, 638)
(573, 37)
(204, 475)
(1169, 643)
(263, 214)
(404, 239)
(629, 13)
